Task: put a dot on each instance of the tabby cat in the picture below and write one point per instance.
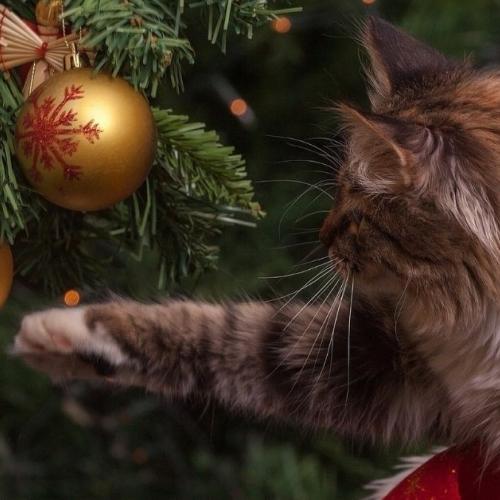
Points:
(413, 349)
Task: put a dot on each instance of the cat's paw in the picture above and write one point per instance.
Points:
(61, 343)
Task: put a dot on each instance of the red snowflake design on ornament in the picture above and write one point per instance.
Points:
(51, 135)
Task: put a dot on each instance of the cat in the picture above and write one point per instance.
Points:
(411, 349)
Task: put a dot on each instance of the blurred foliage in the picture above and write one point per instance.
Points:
(78, 442)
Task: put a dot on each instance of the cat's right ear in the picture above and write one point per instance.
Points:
(390, 147)
(397, 59)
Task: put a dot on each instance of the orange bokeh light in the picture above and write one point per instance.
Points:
(368, 2)
(282, 25)
(238, 107)
(72, 298)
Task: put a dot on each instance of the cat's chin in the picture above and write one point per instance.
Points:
(375, 283)
(368, 273)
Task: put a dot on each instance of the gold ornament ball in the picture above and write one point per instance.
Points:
(85, 141)
(6, 272)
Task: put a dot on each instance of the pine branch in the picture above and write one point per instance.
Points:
(137, 38)
(63, 249)
(196, 187)
(241, 16)
(143, 39)
(204, 168)
(13, 207)
(24, 8)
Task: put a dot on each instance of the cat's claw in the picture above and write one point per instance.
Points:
(60, 342)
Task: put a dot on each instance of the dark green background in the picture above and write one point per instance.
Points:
(78, 442)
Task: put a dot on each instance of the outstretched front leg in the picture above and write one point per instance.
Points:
(331, 366)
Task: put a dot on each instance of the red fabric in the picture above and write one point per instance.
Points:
(451, 475)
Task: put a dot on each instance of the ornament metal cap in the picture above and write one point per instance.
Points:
(73, 60)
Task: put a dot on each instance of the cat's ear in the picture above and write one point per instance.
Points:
(388, 148)
(376, 127)
(397, 59)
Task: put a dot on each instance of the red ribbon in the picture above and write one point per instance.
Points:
(43, 50)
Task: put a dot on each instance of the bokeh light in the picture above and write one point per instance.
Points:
(282, 25)
(238, 107)
(72, 298)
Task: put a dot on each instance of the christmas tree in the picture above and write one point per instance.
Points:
(196, 185)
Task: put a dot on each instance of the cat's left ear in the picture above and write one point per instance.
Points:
(397, 59)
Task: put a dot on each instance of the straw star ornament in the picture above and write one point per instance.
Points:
(42, 44)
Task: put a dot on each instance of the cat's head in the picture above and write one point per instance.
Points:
(418, 200)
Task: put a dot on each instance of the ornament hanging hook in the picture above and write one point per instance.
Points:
(72, 61)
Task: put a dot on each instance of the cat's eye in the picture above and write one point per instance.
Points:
(353, 228)
(357, 223)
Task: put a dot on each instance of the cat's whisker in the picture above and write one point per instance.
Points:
(296, 181)
(325, 257)
(338, 300)
(308, 303)
(311, 253)
(330, 183)
(308, 146)
(332, 165)
(399, 307)
(294, 245)
(332, 336)
(320, 275)
(292, 348)
(306, 160)
(303, 232)
(330, 175)
(317, 212)
(336, 280)
(323, 183)
(323, 264)
(325, 321)
(334, 142)
(296, 200)
(292, 203)
(348, 345)
(334, 162)
(318, 336)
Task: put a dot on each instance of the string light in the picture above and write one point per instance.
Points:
(282, 25)
(72, 298)
(238, 107)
